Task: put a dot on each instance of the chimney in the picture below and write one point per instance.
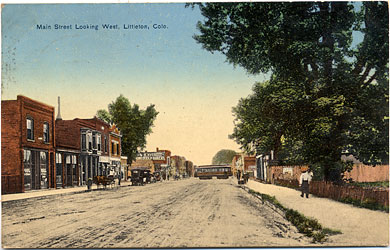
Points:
(157, 149)
(59, 110)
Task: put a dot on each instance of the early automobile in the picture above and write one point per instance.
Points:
(137, 177)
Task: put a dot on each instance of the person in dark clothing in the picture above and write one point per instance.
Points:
(304, 181)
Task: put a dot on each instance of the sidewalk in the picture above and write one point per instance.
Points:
(359, 226)
(46, 192)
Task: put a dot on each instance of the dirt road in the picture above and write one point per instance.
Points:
(184, 213)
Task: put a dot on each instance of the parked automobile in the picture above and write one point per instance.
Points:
(137, 177)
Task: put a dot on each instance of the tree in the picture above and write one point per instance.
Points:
(223, 156)
(327, 93)
(134, 123)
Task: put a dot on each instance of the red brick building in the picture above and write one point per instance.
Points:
(27, 145)
(115, 152)
(82, 150)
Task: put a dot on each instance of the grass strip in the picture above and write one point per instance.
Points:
(308, 226)
(367, 203)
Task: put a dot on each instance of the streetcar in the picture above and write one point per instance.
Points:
(210, 171)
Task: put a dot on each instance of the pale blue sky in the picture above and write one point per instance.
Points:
(193, 89)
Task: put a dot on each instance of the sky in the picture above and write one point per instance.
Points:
(193, 90)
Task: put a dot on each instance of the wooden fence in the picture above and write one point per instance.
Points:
(339, 192)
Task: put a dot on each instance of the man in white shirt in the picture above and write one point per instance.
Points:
(304, 181)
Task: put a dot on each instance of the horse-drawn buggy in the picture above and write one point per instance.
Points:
(104, 180)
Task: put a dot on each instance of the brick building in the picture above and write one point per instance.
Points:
(27, 145)
(163, 165)
(244, 163)
(178, 165)
(115, 152)
(190, 169)
(82, 150)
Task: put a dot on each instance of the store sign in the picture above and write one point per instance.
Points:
(156, 156)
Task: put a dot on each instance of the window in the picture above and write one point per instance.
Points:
(83, 141)
(58, 158)
(44, 170)
(28, 166)
(118, 150)
(30, 129)
(99, 142)
(105, 144)
(112, 148)
(89, 141)
(46, 132)
(94, 141)
(68, 159)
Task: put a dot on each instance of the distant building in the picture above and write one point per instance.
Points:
(244, 163)
(27, 145)
(161, 161)
(190, 169)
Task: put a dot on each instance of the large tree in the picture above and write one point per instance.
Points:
(134, 123)
(224, 156)
(328, 90)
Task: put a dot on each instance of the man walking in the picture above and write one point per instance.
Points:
(304, 181)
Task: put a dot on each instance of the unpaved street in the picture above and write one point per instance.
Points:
(184, 213)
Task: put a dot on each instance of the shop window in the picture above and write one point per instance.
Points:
(30, 128)
(58, 169)
(27, 169)
(43, 170)
(46, 132)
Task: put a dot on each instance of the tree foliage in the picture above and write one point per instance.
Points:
(134, 123)
(224, 156)
(328, 90)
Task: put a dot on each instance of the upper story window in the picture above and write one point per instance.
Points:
(46, 132)
(94, 141)
(30, 128)
(89, 141)
(99, 142)
(83, 141)
(58, 158)
(112, 148)
(118, 150)
(105, 144)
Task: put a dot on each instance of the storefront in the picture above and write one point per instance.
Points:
(35, 163)
(104, 163)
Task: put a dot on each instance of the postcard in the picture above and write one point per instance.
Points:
(194, 125)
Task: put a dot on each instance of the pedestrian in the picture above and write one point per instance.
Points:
(119, 178)
(246, 177)
(304, 181)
